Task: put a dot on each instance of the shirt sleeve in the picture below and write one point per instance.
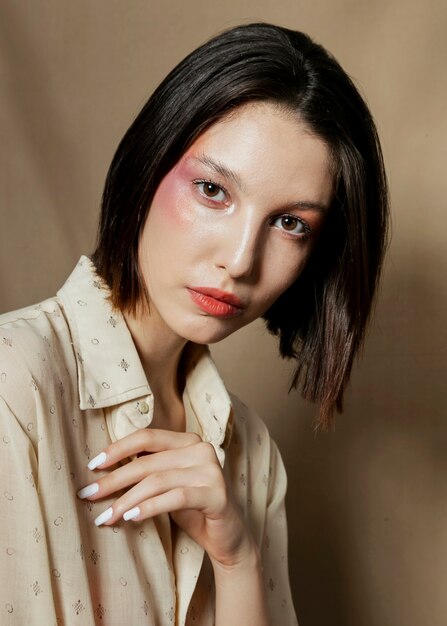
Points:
(25, 590)
(274, 545)
(260, 484)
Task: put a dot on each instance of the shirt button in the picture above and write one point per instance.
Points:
(143, 407)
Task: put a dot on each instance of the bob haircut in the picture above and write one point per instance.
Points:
(321, 319)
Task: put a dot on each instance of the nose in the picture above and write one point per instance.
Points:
(239, 247)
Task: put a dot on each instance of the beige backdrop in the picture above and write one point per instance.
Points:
(367, 503)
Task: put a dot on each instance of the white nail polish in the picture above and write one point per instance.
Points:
(104, 517)
(99, 459)
(88, 491)
(131, 513)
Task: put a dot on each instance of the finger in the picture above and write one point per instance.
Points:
(197, 455)
(142, 440)
(180, 498)
(164, 482)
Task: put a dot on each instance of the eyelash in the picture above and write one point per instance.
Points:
(197, 183)
(306, 228)
(303, 223)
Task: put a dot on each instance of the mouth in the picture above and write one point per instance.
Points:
(216, 302)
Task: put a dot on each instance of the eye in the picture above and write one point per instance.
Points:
(291, 224)
(211, 190)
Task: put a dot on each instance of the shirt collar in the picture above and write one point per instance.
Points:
(109, 368)
(208, 397)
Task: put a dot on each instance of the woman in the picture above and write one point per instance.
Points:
(251, 184)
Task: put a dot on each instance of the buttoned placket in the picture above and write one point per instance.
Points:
(185, 558)
(126, 418)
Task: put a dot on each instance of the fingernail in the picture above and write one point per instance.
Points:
(99, 459)
(131, 513)
(88, 491)
(104, 517)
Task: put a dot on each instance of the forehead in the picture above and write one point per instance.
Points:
(268, 145)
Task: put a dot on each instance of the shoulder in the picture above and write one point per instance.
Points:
(30, 337)
(251, 440)
(29, 324)
(248, 424)
(35, 355)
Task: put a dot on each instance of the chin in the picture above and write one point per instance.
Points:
(211, 332)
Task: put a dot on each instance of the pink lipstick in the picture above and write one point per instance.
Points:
(216, 302)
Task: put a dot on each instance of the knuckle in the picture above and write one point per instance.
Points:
(156, 481)
(193, 438)
(207, 451)
(215, 473)
(147, 437)
(110, 483)
(120, 507)
(148, 508)
(181, 497)
(221, 500)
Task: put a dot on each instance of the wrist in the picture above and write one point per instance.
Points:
(240, 592)
(246, 560)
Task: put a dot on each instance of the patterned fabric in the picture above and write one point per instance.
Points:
(71, 381)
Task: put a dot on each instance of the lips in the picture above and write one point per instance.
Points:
(216, 302)
(218, 294)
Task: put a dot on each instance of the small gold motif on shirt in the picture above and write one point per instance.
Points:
(94, 557)
(36, 588)
(78, 607)
(124, 365)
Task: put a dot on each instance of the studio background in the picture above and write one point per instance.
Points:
(367, 504)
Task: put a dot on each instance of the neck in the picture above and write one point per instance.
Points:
(160, 351)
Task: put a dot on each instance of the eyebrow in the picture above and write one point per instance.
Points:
(223, 170)
(311, 206)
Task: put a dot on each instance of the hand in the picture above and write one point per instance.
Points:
(181, 475)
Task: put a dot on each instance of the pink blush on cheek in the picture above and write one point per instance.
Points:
(173, 199)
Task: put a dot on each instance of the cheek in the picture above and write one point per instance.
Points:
(171, 231)
(171, 205)
(279, 277)
(288, 271)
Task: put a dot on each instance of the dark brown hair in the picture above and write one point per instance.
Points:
(321, 319)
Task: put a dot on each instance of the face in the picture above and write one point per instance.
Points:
(232, 225)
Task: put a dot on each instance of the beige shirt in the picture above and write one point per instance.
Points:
(70, 381)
